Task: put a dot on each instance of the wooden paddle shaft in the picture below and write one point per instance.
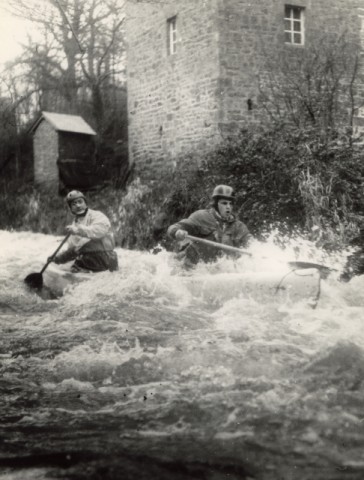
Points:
(228, 248)
(55, 253)
(222, 246)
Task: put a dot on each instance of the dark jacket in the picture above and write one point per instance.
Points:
(209, 224)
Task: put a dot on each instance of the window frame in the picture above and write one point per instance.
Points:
(172, 35)
(294, 22)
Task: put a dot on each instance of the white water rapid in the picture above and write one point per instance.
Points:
(136, 374)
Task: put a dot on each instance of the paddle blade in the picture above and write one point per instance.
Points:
(34, 280)
(324, 271)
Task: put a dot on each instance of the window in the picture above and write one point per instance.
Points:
(172, 35)
(294, 25)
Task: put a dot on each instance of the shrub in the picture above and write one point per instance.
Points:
(282, 176)
(25, 208)
(287, 176)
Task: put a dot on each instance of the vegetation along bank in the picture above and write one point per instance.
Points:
(286, 176)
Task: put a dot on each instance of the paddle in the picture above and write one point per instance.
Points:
(299, 265)
(227, 248)
(324, 271)
(35, 280)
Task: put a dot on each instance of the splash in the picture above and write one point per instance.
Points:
(160, 360)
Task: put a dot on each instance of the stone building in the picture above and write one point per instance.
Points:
(63, 152)
(199, 70)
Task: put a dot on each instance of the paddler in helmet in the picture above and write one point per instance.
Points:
(91, 244)
(216, 223)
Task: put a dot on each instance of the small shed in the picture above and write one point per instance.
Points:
(63, 152)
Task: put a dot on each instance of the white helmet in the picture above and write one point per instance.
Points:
(74, 195)
(223, 191)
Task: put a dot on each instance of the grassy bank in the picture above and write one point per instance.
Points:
(283, 176)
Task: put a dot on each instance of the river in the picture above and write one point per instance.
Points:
(132, 375)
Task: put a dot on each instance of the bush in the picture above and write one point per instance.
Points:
(285, 176)
(25, 208)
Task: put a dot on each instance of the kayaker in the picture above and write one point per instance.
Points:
(216, 223)
(91, 244)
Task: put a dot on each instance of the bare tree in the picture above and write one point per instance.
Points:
(312, 86)
(77, 54)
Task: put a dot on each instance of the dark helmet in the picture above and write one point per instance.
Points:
(74, 195)
(223, 191)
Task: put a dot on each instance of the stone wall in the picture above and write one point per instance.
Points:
(253, 53)
(172, 99)
(210, 88)
(45, 152)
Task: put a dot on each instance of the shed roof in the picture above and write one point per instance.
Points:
(66, 123)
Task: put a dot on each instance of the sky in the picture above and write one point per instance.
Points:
(12, 33)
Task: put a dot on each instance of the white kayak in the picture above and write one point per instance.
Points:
(283, 286)
(56, 279)
(290, 286)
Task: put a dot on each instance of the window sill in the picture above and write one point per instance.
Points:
(296, 45)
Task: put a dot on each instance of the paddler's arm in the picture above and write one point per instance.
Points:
(193, 225)
(66, 256)
(99, 227)
(174, 231)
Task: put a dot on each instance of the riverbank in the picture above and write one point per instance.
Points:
(285, 178)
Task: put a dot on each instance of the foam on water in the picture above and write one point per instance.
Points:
(84, 362)
(177, 354)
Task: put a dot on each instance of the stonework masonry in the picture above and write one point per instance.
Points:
(190, 100)
(172, 99)
(45, 145)
(252, 39)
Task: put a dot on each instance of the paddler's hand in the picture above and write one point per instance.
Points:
(72, 229)
(52, 259)
(181, 235)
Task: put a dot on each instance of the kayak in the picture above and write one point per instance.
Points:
(57, 279)
(290, 286)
